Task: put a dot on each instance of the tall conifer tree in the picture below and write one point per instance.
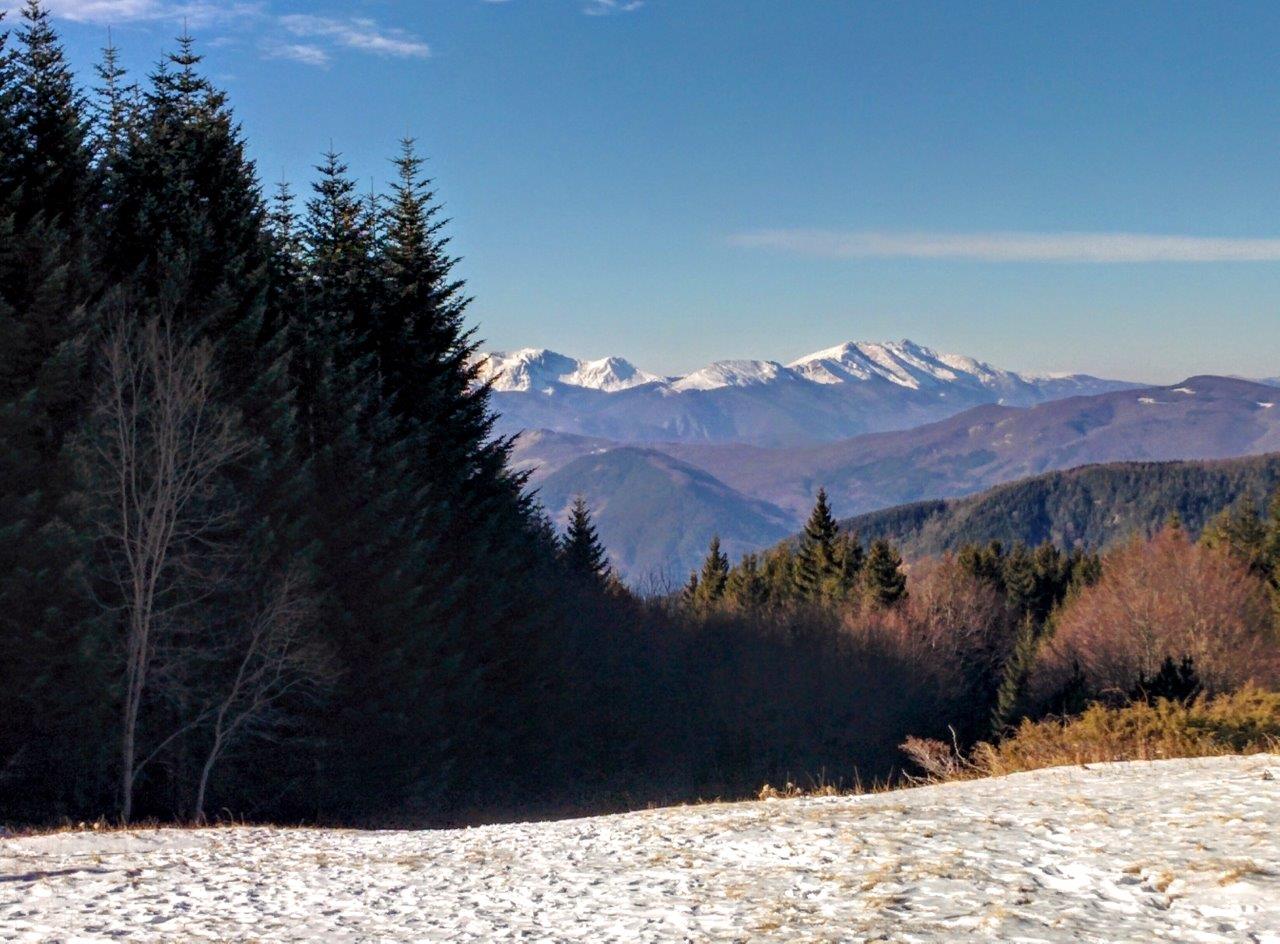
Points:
(827, 563)
(47, 185)
(714, 577)
(583, 554)
(884, 583)
(747, 588)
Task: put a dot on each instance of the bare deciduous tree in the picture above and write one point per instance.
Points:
(276, 659)
(162, 442)
(1165, 598)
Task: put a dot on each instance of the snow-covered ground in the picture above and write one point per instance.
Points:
(1184, 850)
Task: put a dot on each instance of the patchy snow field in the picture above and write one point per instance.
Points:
(1185, 850)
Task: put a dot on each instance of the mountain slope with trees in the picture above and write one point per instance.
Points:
(1200, 418)
(1091, 506)
(656, 514)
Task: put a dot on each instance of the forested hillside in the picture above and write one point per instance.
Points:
(1092, 506)
(655, 512)
(261, 551)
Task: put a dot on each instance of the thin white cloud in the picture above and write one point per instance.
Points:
(298, 37)
(609, 7)
(305, 53)
(357, 33)
(107, 12)
(1012, 247)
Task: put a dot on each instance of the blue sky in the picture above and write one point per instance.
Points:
(1069, 186)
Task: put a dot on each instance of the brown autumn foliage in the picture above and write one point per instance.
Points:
(1158, 598)
(958, 616)
(954, 629)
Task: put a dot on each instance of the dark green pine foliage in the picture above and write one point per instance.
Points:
(583, 555)
(1271, 553)
(1251, 538)
(1020, 581)
(689, 592)
(747, 587)
(47, 193)
(116, 108)
(815, 561)
(361, 519)
(1241, 531)
(713, 578)
(1176, 681)
(985, 562)
(431, 549)
(1013, 676)
(850, 558)
(187, 235)
(883, 582)
(187, 240)
(1271, 545)
(425, 358)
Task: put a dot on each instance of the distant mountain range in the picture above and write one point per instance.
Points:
(1092, 506)
(830, 395)
(744, 490)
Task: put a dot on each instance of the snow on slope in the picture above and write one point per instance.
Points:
(731, 374)
(1180, 850)
(903, 363)
(537, 369)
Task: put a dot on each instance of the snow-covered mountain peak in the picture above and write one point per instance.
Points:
(731, 374)
(608, 374)
(538, 369)
(904, 363)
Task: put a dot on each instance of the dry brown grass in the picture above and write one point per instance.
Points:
(1243, 722)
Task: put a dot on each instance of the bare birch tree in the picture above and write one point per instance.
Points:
(277, 659)
(163, 441)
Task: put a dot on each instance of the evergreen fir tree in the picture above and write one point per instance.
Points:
(777, 569)
(366, 518)
(1019, 579)
(184, 240)
(1241, 532)
(1013, 677)
(689, 593)
(986, 563)
(816, 559)
(116, 111)
(842, 581)
(187, 231)
(1176, 681)
(1271, 545)
(49, 651)
(747, 587)
(580, 550)
(713, 578)
(1084, 568)
(883, 583)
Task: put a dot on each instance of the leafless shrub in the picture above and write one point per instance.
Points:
(940, 761)
(1164, 598)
